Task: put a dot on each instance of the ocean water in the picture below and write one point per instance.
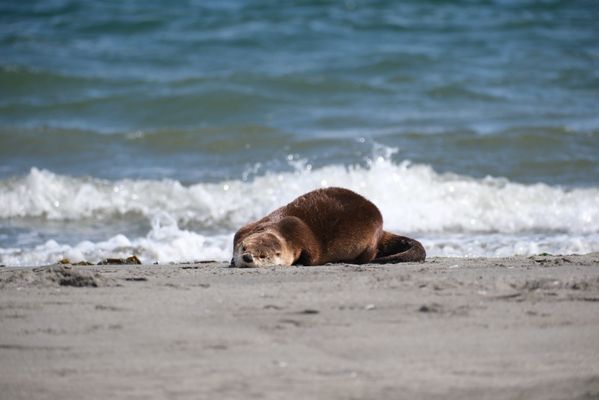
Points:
(158, 129)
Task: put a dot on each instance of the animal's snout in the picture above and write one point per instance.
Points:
(247, 258)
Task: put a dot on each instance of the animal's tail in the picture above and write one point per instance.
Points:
(394, 249)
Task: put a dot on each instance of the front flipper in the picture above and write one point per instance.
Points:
(301, 241)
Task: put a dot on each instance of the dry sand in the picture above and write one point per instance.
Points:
(510, 328)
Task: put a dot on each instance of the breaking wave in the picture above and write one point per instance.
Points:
(453, 214)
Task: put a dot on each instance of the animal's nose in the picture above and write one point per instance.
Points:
(247, 258)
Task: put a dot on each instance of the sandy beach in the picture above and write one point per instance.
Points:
(450, 328)
(158, 131)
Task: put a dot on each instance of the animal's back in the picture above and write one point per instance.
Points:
(344, 222)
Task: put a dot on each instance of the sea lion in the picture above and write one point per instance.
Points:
(331, 225)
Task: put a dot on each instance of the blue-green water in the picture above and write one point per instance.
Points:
(160, 127)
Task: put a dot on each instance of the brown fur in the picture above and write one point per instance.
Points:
(329, 225)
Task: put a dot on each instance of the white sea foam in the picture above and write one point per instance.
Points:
(453, 214)
(165, 242)
(412, 198)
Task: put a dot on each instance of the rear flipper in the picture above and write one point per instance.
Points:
(395, 249)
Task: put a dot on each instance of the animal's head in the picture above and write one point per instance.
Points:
(262, 249)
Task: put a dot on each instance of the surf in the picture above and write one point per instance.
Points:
(453, 214)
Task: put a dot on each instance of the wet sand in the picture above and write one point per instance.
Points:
(450, 328)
